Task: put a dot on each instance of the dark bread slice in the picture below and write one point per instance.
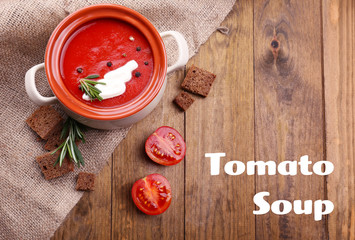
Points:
(198, 81)
(184, 100)
(54, 141)
(85, 182)
(44, 121)
(46, 162)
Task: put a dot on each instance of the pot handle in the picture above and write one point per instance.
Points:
(183, 50)
(31, 89)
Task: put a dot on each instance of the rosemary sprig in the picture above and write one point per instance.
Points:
(88, 86)
(73, 130)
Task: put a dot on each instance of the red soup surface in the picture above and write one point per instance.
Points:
(98, 42)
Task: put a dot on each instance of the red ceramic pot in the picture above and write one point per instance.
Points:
(115, 117)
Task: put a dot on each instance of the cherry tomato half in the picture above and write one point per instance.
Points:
(165, 146)
(152, 194)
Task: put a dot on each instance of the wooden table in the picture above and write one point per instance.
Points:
(268, 103)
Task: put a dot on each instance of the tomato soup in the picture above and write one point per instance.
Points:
(101, 46)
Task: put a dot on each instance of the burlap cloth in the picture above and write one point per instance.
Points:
(31, 207)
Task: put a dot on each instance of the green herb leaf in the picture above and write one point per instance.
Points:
(88, 87)
(94, 82)
(78, 155)
(73, 131)
(63, 152)
(92, 76)
(65, 130)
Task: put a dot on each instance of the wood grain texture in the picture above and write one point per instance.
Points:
(220, 207)
(339, 83)
(91, 216)
(131, 163)
(288, 110)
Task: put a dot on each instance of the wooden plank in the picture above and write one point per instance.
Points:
(91, 216)
(288, 110)
(131, 163)
(339, 84)
(220, 207)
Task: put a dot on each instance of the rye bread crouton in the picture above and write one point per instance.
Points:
(54, 141)
(198, 81)
(44, 121)
(46, 163)
(184, 100)
(85, 182)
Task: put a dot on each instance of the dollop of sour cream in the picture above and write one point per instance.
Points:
(115, 81)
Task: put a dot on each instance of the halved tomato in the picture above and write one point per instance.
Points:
(165, 146)
(152, 194)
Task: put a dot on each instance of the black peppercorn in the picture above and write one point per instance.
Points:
(137, 74)
(145, 63)
(138, 49)
(109, 64)
(79, 70)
